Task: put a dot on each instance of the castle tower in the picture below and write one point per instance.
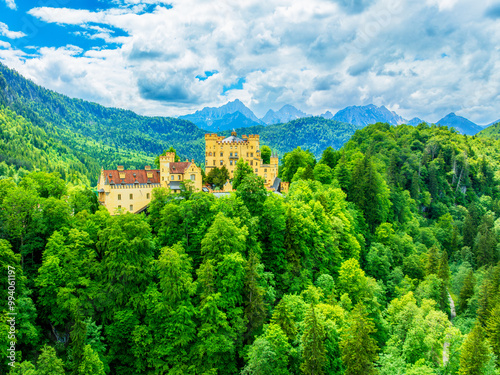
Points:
(165, 161)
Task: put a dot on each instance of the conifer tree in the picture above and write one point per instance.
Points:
(255, 309)
(467, 291)
(284, 318)
(433, 260)
(48, 363)
(444, 274)
(342, 174)
(493, 330)
(475, 352)
(359, 349)
(314, 353)
(78, 336)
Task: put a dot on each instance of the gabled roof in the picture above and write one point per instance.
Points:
(179, 167)
(132, 176)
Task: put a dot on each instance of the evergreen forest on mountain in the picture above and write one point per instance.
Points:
(383, 257)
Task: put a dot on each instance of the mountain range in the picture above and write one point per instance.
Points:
(235, 115)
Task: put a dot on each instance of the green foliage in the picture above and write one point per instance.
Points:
(475, 353)
(313, 351)
(243, 169)
(265, 154)
(359, 349)
(294, 160)
(48, 363)
(217, 177)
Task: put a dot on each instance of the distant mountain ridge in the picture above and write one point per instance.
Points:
(460, 123)
(224, 117)
(368, 114)
(287, 113)
(236, 115)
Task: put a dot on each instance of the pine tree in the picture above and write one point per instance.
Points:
(444, 274)
(359, 349)
(48, 363)
(313, 342)
(466, 292)
(78, 336)
(284, 318)
(433, 260)
(493, 330)
(342, 174)
(255, 311)
(475, 352)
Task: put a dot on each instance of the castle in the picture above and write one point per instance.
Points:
(221, 151)
(131, 190)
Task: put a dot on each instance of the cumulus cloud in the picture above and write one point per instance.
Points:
(11, 4)
(4, 30)
(424, 59)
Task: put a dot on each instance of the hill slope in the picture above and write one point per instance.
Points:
(124, 131)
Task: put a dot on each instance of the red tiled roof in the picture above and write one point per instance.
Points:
(179, 167)
(141, 176)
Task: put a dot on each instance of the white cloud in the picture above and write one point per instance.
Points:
(323, 55)
(4, 30)
(11, 4)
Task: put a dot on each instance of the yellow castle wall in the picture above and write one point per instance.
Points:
(218, 153)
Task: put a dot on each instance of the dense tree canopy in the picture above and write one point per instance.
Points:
(350, 272)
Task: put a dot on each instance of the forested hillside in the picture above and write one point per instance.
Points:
(352, 272)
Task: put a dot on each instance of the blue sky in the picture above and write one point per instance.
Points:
(425, 58)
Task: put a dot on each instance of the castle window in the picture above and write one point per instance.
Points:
(247, 154)
(265, 175)
(131, 208)
(236, 154)
(231, 154)
(230, 162)
(193, 177)
(251, 162)
(251, 154)
(222, 162)
(119, 197)
(251, 147)
(119, 206)
(163, 178)
(265, 170)
(147, 196)
(214, 162)
(256, 170)
(221, 154)
(131, 196)
(179, 177)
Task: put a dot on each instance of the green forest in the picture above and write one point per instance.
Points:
(383, 258)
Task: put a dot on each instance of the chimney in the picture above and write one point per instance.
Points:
(120, 168)
(192, 161)
(147, 167)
